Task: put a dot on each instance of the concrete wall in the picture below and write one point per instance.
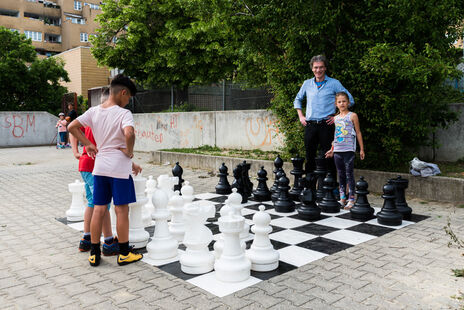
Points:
(451, 140)
(27, 128)
(251, 129)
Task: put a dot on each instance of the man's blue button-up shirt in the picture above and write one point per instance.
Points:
(320, 102)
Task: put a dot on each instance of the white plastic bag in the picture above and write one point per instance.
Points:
(423, 169)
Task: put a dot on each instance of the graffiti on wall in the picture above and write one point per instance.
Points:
(261, 131)
(18, 125)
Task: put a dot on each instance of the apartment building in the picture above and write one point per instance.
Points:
(53, 26)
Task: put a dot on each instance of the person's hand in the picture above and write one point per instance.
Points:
(91, 150)
(136, 169)
(126, 152)
(361, 154)
(303, 120)
(329, 154)
(77, 155)
(330, 120)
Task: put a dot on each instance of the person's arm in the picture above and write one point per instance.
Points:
(298, 104)
(74, 146)
(74, 129)
(357, 128)
(130, 141)
(330, 153)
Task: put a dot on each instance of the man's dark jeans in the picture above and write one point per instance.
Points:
(318, 135)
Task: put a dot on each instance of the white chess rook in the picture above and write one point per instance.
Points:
(235, 201)
(162, 246)
(262, 254)
(219, 244)
(148, 208)
(176, 225)
(138, 236)
(75, 213)
(233, 265)
(197, 258)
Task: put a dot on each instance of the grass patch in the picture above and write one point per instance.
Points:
(458, 272)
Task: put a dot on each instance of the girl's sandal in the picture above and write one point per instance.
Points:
(349, 205)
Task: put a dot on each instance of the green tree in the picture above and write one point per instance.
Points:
(162, 42)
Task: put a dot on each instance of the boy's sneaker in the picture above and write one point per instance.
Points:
(129, 258)
(84, 245)
(111, 249)
(94, 260)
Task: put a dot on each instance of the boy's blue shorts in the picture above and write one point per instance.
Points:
(121, 190)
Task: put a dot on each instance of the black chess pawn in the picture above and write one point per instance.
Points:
(400, 201)
(321, 172)
(389, 214)
(275, 194)
(308, 210)
(262, 192)
(238, 183)
(223, 187)
(284, 204)
(246, 178)
(362, 210)
(329, 204)
(177, 172)
(278, 164)
(298, 173)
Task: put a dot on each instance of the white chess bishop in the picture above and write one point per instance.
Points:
(176, 225)
(148, 208)
(262, 254)
(162, 245)
(235, 201)
(75, 213)
(233, 265)
(138, 236)
(197, 258)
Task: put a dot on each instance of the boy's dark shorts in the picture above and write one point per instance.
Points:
(121, 190)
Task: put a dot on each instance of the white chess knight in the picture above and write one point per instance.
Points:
(148, 208)
(262, 254)
(166, 183)
(197, 258)
(176, 225)
(162, 245)
(235, 201)
(138, 236)
(233, 265)
(75, 212)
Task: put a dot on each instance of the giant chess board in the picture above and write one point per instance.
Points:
(299, 242)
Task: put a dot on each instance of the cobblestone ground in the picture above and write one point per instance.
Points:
(41, 268)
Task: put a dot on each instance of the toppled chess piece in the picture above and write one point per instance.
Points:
(262, 192)
(223, 187)
(177, 171)
(400, 201)
(262, 254)
(389, 214)
(297, 172)
(362, 210)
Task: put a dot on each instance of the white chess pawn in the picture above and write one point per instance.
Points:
(138, 236)
(148, 208)
(162, 246)
(176, 225)
(235, 200)
(233, 265)
(262, 254)
(75, 213)
(197, 258)
(187, 192)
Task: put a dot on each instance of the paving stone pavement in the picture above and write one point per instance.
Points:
(41, 268)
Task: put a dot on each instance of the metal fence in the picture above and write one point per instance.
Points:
(215, 97)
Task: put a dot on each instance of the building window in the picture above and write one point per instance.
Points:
(9, 13)
(76, 20)
(33, 35)
(78, 5)
(52, 38)
(84, 37)
(93, 6)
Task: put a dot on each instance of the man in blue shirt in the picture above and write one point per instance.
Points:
(320, 109)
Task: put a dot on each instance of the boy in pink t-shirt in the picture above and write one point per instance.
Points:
(113, 130)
